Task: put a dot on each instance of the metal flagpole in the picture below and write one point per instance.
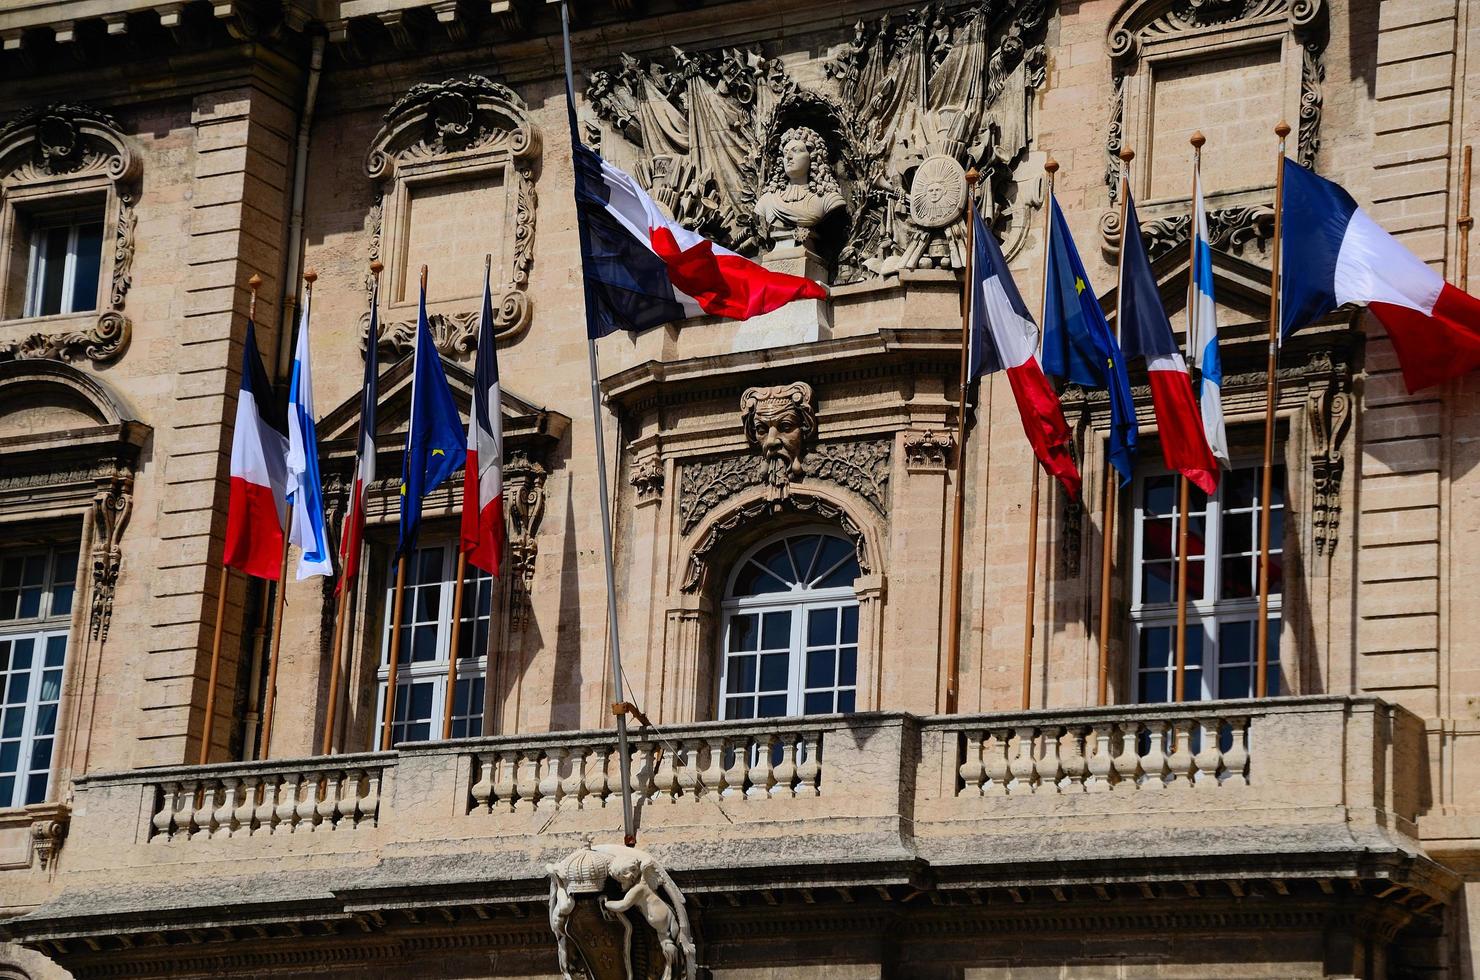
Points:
(345, 586)
(958, 530)
(1261, 679)
(210, 723)
(1050, 169)
(624, 750)
(309, 277)
(1179, 686)
(398, 600)
(1107, 510)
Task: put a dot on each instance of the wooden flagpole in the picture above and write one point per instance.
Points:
(345, 585)
(958, 529)
(309, 277)
(210, 723)
(1261, 629)
(1050, 169)
(1107, 510)
(462, 569)
(1465, 221)
(1180, 681)
(398, 601)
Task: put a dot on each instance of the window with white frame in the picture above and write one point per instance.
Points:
(66, 257)
(790, 629)
(1222, 586)
(426, 641)
(36, 592)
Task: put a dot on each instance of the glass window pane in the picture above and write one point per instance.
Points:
(1238, 488)
(11, 720)
(1236, 642)
(850, 624)
(20, 658)
(771, 706)
(51, 685)
(1238, 578)
(1235, 682)
(1160, 496)
(30, 603)
(775, 671)
(822, 627)
(41, 754)
(10, 572)
(819, 703)
(87, 262)
(1156, 538)
(1156, 582)
(16, 690)
(7, 790)
(845, 701)
(777, 560)
(848, 666)
(743, 635)
(10, 754)
(741, 675)
(424, 647)
(1153, 687)
(776, 631)
(820, 664)
(1238, 532)
(46, 720)
(53, 269)
(1155, 646)
(36, 788)
(804, 553)
(754, 579)
(739, 708)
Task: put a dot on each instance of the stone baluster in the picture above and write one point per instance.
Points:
(527, 783)
(1236, 760)
(1101, 765)
(162, 822)
(786, 770)
(690, 779)
(369, 808)
(480, 793)
(1180, 763)
(996, 763)
(350, 798)
(549, 784)
(713, 781)
(737, 776)
(266, 815)
(1022, 767)
(1128, 760)
(1154, 762)
(205, 809)
(762, 776)
(597, 781)
(1048, 768)
(973, 770)
(1076, 765)
(1210, 756)
(224, 816)
(573, 786)
(246, 811)
(307, 818)
(328, 808)
(665, 776)
(809, 765)
(287, 810)
(506, 765)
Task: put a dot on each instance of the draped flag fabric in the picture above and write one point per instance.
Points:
(305, 489)
(1005, 338)
(1202, 329)
(483, 479)
(1078, 345)
(1335, 254)
(1146, 332)
(435, 444)
(259, 450)
(354, 521)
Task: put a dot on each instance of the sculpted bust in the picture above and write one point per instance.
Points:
(802, 191)
(780, 421)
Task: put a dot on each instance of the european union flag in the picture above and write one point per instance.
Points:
(435, 442)
(1078, 345)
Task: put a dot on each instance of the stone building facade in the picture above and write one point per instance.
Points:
(782, 498)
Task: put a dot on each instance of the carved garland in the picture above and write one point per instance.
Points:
(699, 560)
(67, 142)
(452, 121)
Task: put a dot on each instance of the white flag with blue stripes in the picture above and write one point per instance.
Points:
(305, 492)
(1202, 328)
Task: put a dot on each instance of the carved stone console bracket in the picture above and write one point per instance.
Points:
(524, 491)
(468, 125)
(113, 504)
(929, 451)
(57, 151)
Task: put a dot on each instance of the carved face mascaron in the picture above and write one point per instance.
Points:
(780, 421)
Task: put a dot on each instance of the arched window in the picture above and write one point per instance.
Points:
(790, 629)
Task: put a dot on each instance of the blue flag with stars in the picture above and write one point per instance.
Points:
(436, 445)
(1078, 345)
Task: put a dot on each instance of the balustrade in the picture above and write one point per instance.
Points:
(308, 800)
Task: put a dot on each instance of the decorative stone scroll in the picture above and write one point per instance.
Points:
(113, 504)
(54, 152)
(524, 490)
(459, 128)
(1229, 229)
(905, 106)
(1329, 412)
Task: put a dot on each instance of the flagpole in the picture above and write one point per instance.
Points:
(398, 600)
(1050, 169)
(624, 751)
(346, 585)
(1180, 682)
(462, 569)
(309, 277)
(210, 723)
(1107, 511)
(1261, 680)
(958, 530)
(1465, 221)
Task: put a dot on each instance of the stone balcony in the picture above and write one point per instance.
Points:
(1087, 805)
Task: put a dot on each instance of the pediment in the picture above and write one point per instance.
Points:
(1240, 287)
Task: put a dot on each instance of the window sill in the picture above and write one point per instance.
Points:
(30, 835)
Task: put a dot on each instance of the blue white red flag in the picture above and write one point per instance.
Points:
(259, 450)
(354, 521)
(1335, 254)
(1146, 332)
(305, 489)
(483, 478)
(1005, 338)
(1202, 328)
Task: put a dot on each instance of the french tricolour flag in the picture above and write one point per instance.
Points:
(1005, 338)
(1335, 254)
(1202, 328)
(483, 479)
(1146, 332)
(259, 472)
(643, 269)
(354, 521)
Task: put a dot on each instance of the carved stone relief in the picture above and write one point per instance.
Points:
(647, 477)
(113, 504)
(57, 150)
(524, 491)
(929, 450)
(1229, 230)
(906, 105)
(781, 422)
(1329, 411)
(468, 125)
(697, 575)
